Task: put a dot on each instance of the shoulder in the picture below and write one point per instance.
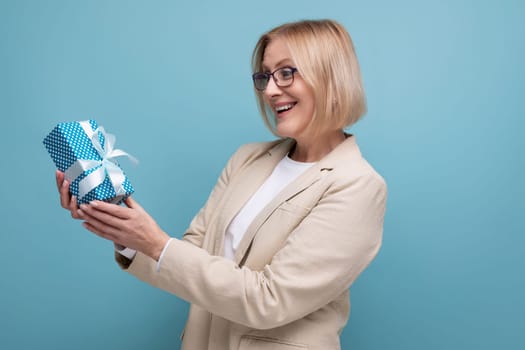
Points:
(250, 152)
(257, 148)
(359, 168)
(349, 167)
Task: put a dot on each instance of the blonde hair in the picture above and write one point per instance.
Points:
(324, 55)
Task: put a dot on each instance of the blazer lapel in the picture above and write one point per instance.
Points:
(346, 151)
(249, 181)
(304, 181)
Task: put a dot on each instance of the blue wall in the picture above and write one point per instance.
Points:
(445, 82)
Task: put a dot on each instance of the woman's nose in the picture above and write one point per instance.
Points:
(272, 89)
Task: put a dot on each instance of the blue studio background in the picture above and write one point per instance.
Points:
(445, 82)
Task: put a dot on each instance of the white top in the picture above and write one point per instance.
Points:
(284, 173)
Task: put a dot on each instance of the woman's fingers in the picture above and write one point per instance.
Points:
(106, 220)
(59, 179)
(67, 201)
(101, 230)
(131, 203)
(73, 208)
(94, 213)
(65, 197)
(111, 209)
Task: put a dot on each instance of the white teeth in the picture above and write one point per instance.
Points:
(284, 107)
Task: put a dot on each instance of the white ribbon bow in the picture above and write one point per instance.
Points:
(106, 166)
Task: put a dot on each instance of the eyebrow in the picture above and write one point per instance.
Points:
(283, 62)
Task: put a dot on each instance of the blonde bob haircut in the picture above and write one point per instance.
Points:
(324, 55)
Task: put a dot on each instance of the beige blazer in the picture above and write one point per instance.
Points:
(288, 287)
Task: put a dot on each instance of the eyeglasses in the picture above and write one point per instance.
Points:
(282, 77)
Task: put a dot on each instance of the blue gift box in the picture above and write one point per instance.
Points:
(84, 152)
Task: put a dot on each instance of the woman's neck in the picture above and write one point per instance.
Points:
(314, 148)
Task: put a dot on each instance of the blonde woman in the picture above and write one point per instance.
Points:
(267, 263)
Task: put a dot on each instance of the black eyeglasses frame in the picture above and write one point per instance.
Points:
(267, 75)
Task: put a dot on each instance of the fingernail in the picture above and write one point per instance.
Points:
(83, 206)
(80, 212)
(94, 203)
(64, 183)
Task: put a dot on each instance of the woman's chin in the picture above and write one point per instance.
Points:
(283, 132)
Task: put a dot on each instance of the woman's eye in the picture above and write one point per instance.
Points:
(286, 73)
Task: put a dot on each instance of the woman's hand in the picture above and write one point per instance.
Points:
(131, 227)
(67, 201)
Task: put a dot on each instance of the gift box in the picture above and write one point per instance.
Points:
(85, 153)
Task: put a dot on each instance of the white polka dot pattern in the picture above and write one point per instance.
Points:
(67, 143)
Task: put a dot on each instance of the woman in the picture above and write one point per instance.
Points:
(268, 261)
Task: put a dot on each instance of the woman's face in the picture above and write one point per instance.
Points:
(293, 106)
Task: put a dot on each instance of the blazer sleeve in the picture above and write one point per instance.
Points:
(320, 260)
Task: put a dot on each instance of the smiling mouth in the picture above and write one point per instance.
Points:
(284, 108)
